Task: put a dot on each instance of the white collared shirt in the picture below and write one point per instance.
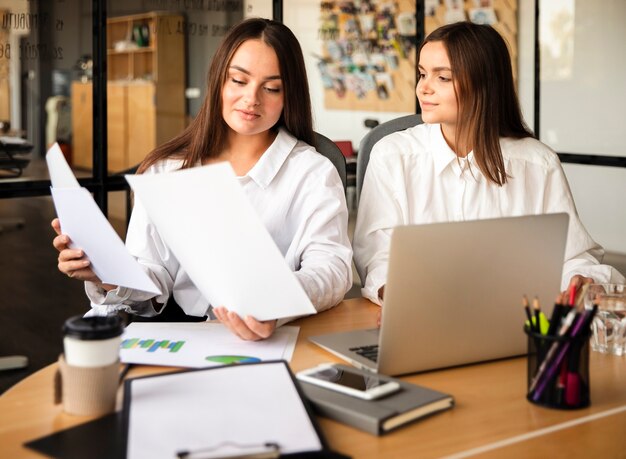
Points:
(414, 177)
(299, 197)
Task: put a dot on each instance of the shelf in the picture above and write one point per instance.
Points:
(145, 49)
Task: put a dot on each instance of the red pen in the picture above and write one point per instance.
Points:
(572, 294)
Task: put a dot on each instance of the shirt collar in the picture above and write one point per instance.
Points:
(273, 159)
(444, 156)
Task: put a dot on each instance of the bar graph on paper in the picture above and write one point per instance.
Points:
(200, 345)
(152, 345)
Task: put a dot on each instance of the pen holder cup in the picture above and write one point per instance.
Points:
(86, 391)
(558, 371)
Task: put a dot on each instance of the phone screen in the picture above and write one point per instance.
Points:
(348, 379)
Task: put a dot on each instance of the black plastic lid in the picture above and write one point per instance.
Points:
(93, 328)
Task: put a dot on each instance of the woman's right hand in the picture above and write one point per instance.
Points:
(73, 262)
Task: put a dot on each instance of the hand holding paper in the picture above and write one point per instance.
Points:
(88, 228)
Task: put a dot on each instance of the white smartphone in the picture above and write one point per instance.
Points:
(368, 387)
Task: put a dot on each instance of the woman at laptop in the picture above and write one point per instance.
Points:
(473, 158)
(257, 116)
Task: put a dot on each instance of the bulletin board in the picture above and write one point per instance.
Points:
(367, 59)
(500, 14)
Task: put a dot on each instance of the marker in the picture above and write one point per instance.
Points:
(572, 294)
(557, 314)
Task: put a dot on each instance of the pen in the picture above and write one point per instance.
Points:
(531, 328)
(537, 311)
(573, 390)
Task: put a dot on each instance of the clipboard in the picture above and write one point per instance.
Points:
(221, 412)
(110, 434)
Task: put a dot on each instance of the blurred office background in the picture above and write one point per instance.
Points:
(54, 88)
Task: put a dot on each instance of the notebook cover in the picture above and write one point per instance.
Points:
(374, 416)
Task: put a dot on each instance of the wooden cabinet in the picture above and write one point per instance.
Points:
(145, 90)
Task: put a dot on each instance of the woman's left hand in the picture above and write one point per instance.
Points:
(248, 328)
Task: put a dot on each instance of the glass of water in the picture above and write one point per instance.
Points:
(609, 324)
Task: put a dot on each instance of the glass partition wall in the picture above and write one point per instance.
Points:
(108, 80)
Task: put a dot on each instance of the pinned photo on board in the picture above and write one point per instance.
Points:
(485, 16)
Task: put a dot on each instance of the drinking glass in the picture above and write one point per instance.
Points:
(609, 325)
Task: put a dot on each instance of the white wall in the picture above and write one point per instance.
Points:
(599, 194)
(258, 8)
(583, 97)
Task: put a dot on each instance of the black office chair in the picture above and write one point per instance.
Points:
(372, 137)
(330, 149)
(14, 156)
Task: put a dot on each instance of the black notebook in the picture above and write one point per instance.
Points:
(382, 415)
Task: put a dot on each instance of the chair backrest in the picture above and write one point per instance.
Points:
(373, 136)
(346, 147)
(329, 149)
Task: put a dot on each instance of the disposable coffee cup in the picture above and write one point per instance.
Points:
(92, 341)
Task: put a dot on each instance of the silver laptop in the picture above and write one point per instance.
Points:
(454, 293)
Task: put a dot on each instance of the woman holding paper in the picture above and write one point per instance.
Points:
(257, 116)
(473, 158)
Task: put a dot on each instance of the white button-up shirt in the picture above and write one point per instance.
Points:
(414, 177)
(300, 199)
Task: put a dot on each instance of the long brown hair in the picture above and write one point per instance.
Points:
(206, 135)
(485, 93)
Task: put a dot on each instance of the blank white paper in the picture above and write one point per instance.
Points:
(82, 220)
(245, 404)
(204, 217)
(61, 174)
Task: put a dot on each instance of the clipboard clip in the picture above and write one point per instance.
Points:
(232, 450)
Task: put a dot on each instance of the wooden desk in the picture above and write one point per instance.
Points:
(492, 417)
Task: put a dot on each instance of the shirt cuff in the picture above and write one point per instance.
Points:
(100, 297)
(105, 303)
(375, 279)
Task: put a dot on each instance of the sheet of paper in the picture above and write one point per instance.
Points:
(206, 220)
(201, 410)
(61, 174)
(199, 345)
(82, 220)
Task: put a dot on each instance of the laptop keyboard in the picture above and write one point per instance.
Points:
(369, 352)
